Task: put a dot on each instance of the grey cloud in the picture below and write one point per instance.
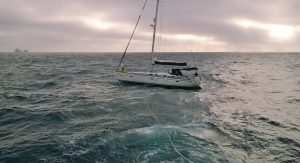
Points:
(31, 23)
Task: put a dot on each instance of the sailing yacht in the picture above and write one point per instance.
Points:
(180, 74)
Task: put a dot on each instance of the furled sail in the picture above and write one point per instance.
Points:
(168, 62)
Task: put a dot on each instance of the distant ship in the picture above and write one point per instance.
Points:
(17, 50)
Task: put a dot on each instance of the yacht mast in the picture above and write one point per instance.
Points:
(154, 27)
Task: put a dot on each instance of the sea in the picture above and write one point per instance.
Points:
(68, 107)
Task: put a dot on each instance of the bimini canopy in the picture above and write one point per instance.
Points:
(168, 62)
(180, 71)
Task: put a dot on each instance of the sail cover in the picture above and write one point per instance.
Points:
(168, 62)
(186, 68)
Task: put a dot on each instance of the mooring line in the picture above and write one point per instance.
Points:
(170, 139)
(159, 123)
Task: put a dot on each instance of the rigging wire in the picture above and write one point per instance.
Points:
(132, 34)
(180, 20)
(161, 25)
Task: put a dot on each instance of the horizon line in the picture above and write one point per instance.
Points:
(154, 52)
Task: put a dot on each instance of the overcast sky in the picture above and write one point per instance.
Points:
(185, 25)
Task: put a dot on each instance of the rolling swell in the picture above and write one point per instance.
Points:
(66, 107)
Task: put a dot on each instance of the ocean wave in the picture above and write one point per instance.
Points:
(49, 84)
(294, 100)
(84, 71)
(69, 108)
(213, 78)
(56, 117)
(16, 96)
(289, 141)
(271, 122)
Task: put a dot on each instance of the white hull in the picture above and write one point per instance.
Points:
(160, 79)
